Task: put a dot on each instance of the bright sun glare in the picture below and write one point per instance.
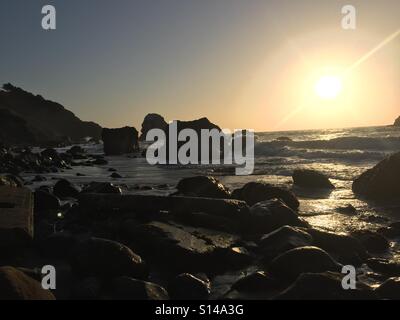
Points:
(328, 87)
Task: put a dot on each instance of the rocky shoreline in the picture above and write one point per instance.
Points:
(204, 241)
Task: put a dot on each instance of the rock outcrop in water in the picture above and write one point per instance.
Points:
(311, 179)
(47, 120)
(120, 141)
(397, 122)
(152, 121)
(382, 182)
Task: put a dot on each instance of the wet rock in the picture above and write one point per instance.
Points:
(258, 281)
(272, 214)
(390, 289)
(384, 266)
(51, 153)
(311, 179)
(282, 240)
(177, 247)
(76, 150)
(115, 175)
(346, 249)
(45, 201)
(382, 182)
(347, 210)
(290, 264)
(15, 285)
(106, 258)
(125, 288)
(254, 192)
(102, 187)
(372, 241)
(324, 286)
(202, 186)
(39, 178)
(87, 289)
(100, 162)
(392, 231)
(112, 170)
(65, 189)
(189, 287)
(120, 141)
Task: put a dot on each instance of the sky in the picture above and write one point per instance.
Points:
(250, 64)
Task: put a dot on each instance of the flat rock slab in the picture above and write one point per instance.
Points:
(16, 217)
(179, 247)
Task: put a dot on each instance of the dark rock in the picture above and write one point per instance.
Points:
(372, 241)
(397, 122)
(189, 287)
(382, 182)
(324, 286)
(102, 187)
(282, 240)
(87, 289)
(45, 201)
(345, 249)
(152, 121)
(100, 162)
(179, 248)
(256, 282)
(390, 289)
(58, 245)
(272, 214)
(290, 264)
(125, 288)
(254, 192)
(120, 141)
(389, 268)
(44, 118)
(51, 153)
(76, 150)
(39, 179)
(115, 175)
(65, 189)
(15, 285)
(112, 170)
(347, 210)
(392, 231)
(311, 179)
(106, 258)
(202, 186)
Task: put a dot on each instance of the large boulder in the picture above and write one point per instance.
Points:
(16, 285)
(282, 240)
(382, 182)
(324, 286)
(290, 264)
(152, 121)
(120, 141)
(203, 186)
(45, 201)
(106, 258)
(311, 179)
(65, 189)
(344, 248)
(271, 214)
(187, 286)
(254, 192)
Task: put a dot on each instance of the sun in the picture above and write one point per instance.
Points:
(328, 87)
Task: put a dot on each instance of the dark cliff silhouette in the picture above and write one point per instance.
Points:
(47, 120)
